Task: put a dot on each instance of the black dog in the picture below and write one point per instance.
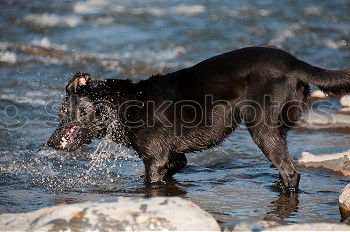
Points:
(195, 108)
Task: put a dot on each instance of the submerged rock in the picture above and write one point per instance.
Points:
(336, 162)
(344, 203)
(126, 214)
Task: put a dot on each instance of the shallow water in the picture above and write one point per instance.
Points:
(42, 43)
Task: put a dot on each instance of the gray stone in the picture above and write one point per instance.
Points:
(311, 227)
(344, 203)
(126, 214)
(263, 225)
(251, 226)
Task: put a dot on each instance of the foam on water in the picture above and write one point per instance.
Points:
(8, 57)
(283, 34)
(46, 43)
(32, 97)
(44, 51)
(90, 6)
(155, 11)
(189, 10)
(95, 6)
(53, 20)
(335, 44)
(247, 11)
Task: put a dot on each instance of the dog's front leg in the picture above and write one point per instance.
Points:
(155, 169)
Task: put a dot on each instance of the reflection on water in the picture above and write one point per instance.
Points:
(43, 42)
(283, 207)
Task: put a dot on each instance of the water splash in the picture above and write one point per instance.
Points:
(109, 164)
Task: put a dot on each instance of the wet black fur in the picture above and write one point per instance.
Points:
(237, 82)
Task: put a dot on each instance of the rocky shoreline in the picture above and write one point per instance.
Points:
(150, 214)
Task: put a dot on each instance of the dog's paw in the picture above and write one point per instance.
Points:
(280, 187)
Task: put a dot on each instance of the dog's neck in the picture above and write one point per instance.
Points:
(114, 90)
(118, 94)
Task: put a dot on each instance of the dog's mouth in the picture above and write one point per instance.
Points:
(70, 138)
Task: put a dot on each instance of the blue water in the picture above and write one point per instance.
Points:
(42, 43)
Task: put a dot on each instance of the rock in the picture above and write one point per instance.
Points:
(322, 120)
(251, 226)
(345, 101)
(345, 110)
(336, 162)
(130, 214)
(312, 227)
(344, 203)
(318, 94)
(273, 226)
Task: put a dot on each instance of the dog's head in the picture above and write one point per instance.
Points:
(82, 115)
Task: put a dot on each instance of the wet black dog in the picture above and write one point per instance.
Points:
(195, 108)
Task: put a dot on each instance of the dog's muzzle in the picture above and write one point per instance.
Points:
(70, 138)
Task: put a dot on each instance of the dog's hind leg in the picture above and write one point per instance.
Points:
(176, 162)
(273, 143)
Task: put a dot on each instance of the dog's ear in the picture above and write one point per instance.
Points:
(79, 82)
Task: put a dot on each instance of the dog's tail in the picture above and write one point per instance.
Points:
(330, 81)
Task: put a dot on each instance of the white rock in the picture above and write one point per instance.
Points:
(318, 94)
(308, 157)
(345, 109)
(312, 227)
(344, 202)
(321, 120)
(334, 162)
(126, 214)
(345, 100)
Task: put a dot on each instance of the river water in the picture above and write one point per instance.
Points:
(42, 43)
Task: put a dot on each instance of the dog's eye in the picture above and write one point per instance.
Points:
(63, 111)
